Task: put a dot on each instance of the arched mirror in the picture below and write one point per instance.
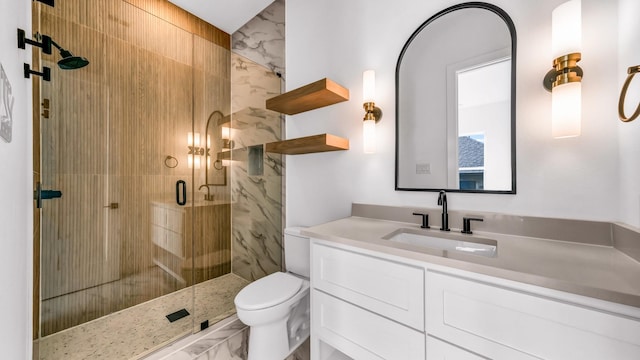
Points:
(455, 103)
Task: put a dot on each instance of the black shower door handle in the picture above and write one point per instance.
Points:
(184, 192)
(39, 195)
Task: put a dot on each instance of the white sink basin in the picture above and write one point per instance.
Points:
(445, 241)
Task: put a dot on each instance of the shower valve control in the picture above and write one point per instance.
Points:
(45, 107)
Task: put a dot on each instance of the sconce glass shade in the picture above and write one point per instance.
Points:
(369, 86)
(193, 139)
(566, 94)
(193, 142)
(566, 110)
(369, 123)
(369, 136)
(193, 161)
(225, 133)
(566, 29)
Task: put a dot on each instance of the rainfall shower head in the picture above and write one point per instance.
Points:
(69, 61)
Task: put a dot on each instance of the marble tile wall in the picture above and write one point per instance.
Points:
(257, 51)
(262, 38)
(257, 195)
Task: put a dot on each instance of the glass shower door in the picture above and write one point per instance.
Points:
(75, 227)
(113, 141)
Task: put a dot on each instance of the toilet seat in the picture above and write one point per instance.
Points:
(269, 291)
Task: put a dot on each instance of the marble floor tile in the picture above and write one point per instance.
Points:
(229, 342)
(234, 348)
(303, 352)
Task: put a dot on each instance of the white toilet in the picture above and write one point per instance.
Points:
(276, 307)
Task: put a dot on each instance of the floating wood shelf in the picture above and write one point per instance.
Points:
(235, 154)
(309, 144)
(224, 155)
(312, 96)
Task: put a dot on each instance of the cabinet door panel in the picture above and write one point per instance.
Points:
(502, 323)
(388, 288)
(175, 221)
(175, 244)
(158, 216)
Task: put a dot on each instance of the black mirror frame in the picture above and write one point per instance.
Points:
(512, 30)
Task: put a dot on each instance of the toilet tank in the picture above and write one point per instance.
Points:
(296, 252)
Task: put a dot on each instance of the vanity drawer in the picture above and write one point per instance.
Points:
(440, 350)
(170, 219)
(361, 334)
(385, 287)
(168, 240)
(503, 323)
(175, 221)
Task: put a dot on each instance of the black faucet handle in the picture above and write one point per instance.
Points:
(466, 224)
(425, 220)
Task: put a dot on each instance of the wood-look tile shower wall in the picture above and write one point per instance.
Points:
(153, 69)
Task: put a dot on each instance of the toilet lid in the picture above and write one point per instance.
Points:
(269, 291)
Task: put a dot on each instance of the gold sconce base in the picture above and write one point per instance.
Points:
(372, 112)
(227, 144)
(565, 70)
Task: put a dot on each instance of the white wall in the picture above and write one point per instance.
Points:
(16, 190)
(629, 132)
(568, 178)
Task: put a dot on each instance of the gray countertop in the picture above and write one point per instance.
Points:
(597, 271)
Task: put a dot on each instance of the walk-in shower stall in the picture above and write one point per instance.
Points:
(165, 212)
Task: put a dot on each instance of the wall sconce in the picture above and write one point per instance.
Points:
(631, 71)
(226, 137)
(224, 157)
(372, 114)
(195, 151)
(564, 80)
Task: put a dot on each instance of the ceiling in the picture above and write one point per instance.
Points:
(227, 15)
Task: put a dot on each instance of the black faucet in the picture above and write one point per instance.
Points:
(442, 200)
(466, 224)
(425, 220)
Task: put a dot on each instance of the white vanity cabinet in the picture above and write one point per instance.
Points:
(191, 243)
(366, 307)
(370, 305)
(501, 322)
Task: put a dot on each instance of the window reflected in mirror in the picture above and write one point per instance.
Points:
(483, 121)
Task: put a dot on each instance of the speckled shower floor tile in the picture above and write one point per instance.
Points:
(136, 331)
